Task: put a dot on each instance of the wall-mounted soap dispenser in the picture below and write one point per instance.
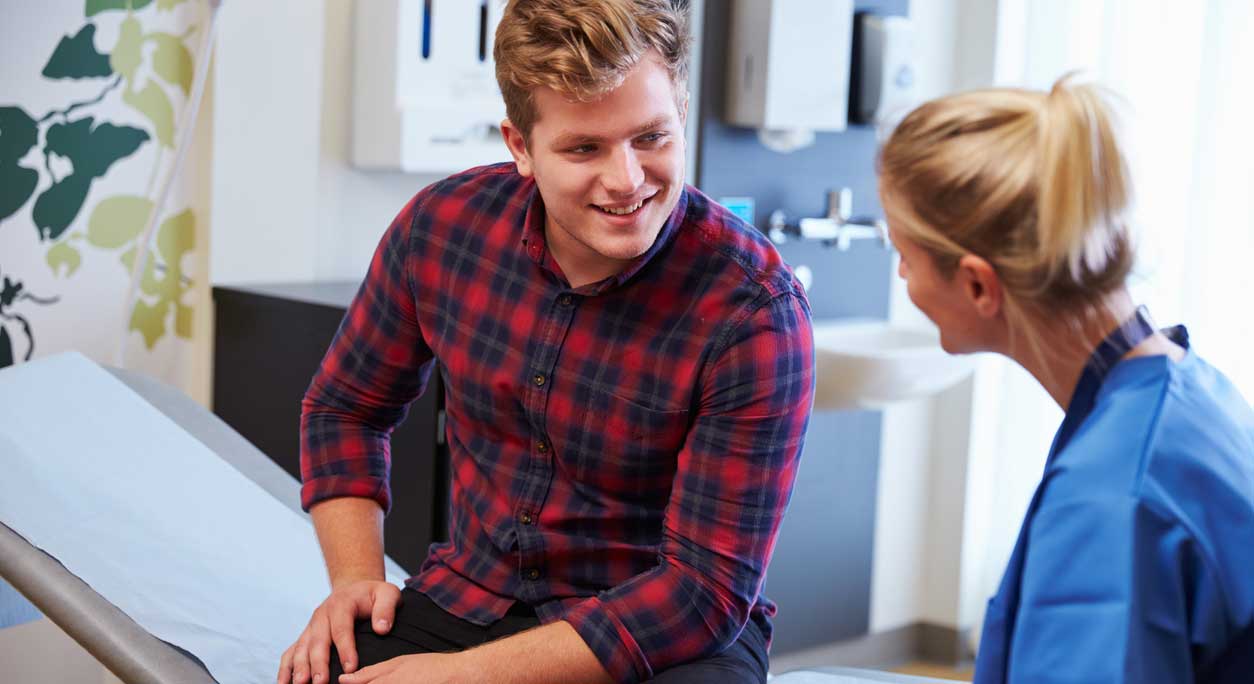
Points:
(425, 97)
(886, 79)
(788, 68)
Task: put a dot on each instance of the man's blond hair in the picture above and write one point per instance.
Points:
(584, 48)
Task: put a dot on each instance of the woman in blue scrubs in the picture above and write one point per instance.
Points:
(1135, 562)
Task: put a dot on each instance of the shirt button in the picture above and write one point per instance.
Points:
(532, 574)
(542, 447)
(525, 518)
(538, 379)
(565, 300)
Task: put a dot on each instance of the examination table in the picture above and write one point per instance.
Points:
(166, 563)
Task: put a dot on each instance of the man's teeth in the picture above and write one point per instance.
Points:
(624, 211)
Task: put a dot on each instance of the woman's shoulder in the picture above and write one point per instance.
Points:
(1175, 435)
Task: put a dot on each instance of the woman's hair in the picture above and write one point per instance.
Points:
(584, 49)
(1033, 182)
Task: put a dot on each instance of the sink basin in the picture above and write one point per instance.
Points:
(866, 364)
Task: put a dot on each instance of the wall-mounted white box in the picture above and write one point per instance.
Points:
(425, 98)
(788, 64)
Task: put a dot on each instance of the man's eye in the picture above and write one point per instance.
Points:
(652, 138)
(583, 149)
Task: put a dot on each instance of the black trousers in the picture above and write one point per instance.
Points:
(421, 626)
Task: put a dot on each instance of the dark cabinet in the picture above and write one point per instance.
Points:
(268, 342)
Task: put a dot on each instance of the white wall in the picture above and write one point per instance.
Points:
(287, 206)
(267, 78)
(919, 567)
(355, 206)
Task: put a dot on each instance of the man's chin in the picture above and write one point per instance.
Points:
(628, 249)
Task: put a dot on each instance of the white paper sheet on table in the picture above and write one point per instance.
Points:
(154, 521)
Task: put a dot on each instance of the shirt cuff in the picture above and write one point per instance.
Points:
(610, 641)
(335, 486)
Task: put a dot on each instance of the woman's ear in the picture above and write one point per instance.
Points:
(517, 145)
(981, 285)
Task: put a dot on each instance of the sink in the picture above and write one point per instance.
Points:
(867, 364)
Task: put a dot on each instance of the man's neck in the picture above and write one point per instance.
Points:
(579, 263)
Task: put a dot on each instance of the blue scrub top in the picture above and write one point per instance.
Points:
(1135, 562)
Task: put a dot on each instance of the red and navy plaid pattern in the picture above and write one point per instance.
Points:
(621, 453)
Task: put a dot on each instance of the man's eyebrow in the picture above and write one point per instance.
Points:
(573, 139)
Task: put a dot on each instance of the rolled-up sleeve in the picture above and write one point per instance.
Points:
(376, 365)
(734, 478)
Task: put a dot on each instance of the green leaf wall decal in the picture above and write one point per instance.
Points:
(117, 220)
(149, 320)
(56, 207)
(17, 184)
(77, 57)
(95, 7)
(63, 254)
(172, 61)
(183, 321)
(6, 349)
(177, 237)
(165, 283)
(92, 150)
(18, 134)
(128, 52)
(153, 103)
(169, 4)
(149, 283)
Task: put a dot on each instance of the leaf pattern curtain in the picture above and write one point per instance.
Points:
(92, 94)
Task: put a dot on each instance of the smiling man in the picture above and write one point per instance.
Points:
(628, 372)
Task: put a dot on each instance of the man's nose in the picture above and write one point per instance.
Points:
(623, 174)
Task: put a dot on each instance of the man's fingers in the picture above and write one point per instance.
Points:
(285, 666)
(383, 608)
(342, 635)
(319, 647)
(301, 672)
(319, 661)
(300, 660)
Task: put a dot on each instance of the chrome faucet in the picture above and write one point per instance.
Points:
(838, 228)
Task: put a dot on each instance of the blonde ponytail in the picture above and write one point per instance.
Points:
(1083, 191)
(1033, 182)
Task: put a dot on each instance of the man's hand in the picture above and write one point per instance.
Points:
(332, 622)
(428, 668)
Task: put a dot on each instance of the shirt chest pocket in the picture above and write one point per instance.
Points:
(623, 449)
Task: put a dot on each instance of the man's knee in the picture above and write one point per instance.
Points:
(372, 649)
(743, 662)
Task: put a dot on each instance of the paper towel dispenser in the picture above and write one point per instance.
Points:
(788, 64)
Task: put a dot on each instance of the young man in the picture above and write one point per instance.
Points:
(629, 372)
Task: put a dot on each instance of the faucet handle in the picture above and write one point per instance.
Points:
(840, 204)
(776, 227)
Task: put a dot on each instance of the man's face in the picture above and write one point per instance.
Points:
(609, 171)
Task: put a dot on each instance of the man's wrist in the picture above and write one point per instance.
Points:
(344, 578)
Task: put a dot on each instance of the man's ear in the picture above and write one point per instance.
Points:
(981, 285)
(683, 109)
(517, 145)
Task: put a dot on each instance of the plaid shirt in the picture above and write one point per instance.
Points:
(621, 453)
